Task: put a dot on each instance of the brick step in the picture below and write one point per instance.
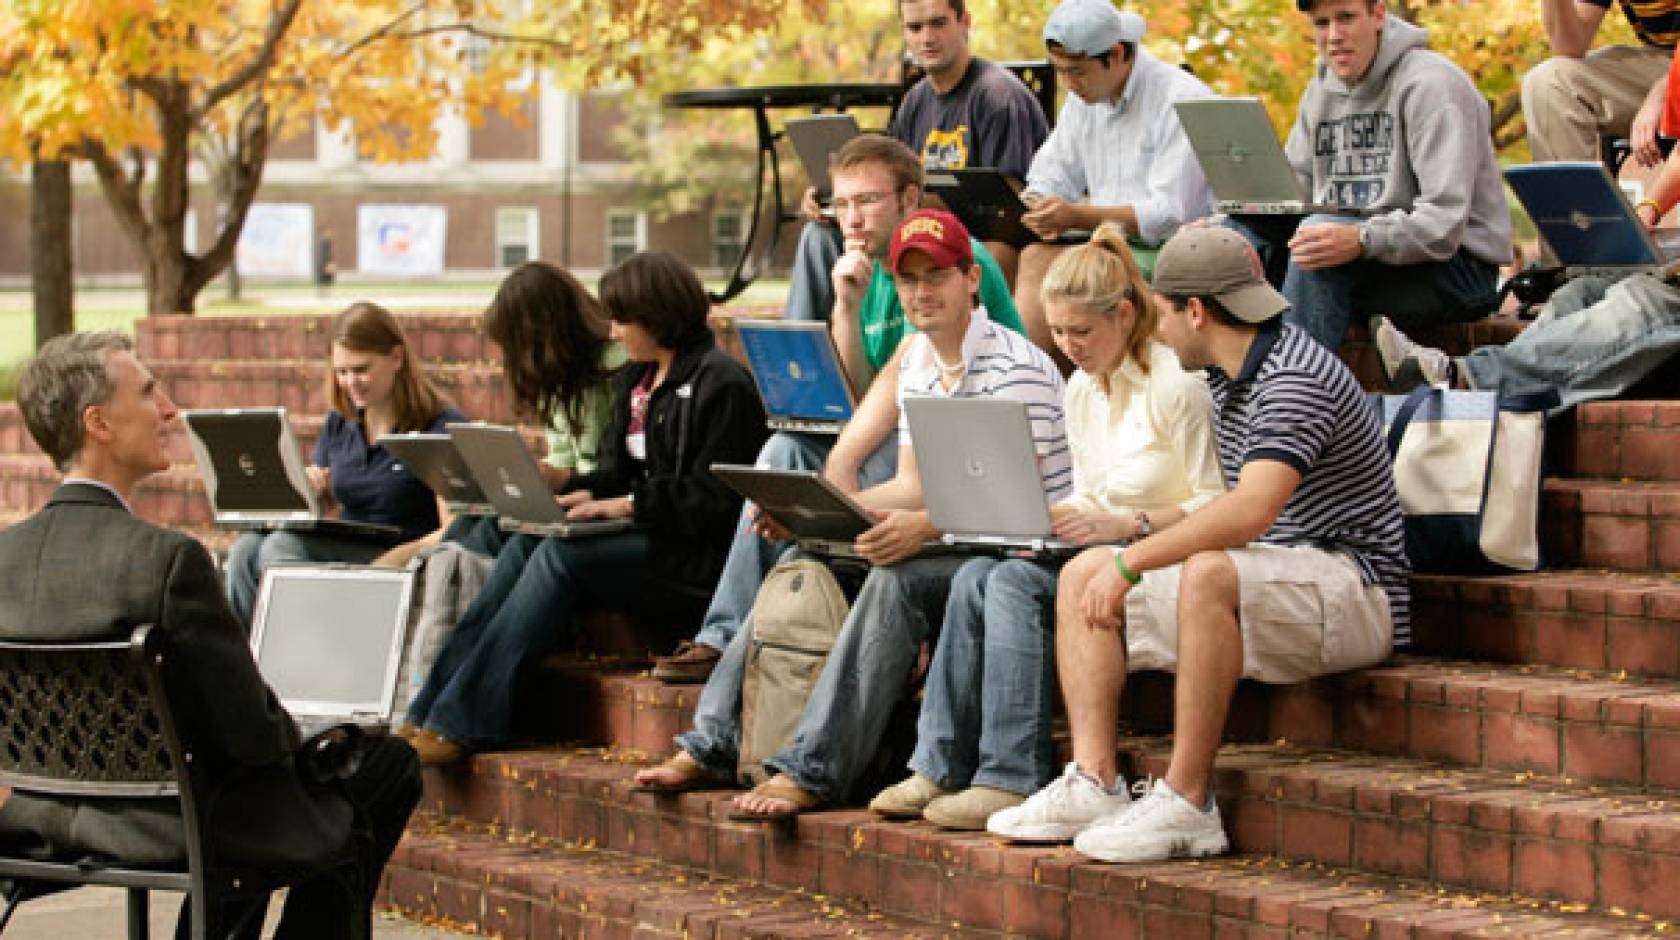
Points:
(436, 336)
(1592, 727)
(528, 887)
(1572, 618)
(1611, 524)
(174, 497)
(477, 389)
(584, 797)
(1618, 440)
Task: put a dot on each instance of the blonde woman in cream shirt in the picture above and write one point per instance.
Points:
(1141, 433)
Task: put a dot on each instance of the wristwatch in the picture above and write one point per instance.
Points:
(1144, 528)
(1364, 241)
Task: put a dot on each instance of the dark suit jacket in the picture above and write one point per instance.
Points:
(84, 568)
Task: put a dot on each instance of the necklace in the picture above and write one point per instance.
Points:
(945, 368)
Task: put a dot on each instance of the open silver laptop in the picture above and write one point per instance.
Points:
(980, 473)
(434, 459)
(514, 484)
(816, 139)
(822, 520)
(798, 374)
(328, 639)
(253, 474)
(1244, 164)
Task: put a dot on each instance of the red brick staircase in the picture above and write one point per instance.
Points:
(1516, 774)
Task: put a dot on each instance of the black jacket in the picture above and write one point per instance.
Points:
(83, 568)
(707, 411)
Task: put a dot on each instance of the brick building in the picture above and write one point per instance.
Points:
(555, 188)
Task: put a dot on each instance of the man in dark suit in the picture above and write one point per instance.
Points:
(84, 567)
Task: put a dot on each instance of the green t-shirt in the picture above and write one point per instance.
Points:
(882, 319)
(581, 450)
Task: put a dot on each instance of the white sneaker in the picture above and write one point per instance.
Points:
(1061, 810)
(1406, 363)
(1157, 827)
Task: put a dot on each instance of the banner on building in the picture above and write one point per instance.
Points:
(400, 240)
(277, 241)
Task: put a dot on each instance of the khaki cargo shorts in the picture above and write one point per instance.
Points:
(1304, 612)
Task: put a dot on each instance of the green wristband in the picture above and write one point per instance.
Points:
(1125, 572)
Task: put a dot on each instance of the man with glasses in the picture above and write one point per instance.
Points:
(877, 182)
(1118, 153)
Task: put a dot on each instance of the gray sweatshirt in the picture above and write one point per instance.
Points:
(1411, 142)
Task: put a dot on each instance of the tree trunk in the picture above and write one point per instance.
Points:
(50, 249)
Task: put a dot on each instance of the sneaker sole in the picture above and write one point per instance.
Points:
(1045, 836)
(1202, 847)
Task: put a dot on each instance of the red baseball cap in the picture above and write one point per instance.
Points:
(937, 233)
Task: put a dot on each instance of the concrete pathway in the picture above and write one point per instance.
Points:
(100, 914)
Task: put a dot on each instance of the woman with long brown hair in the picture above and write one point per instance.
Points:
(376, 386)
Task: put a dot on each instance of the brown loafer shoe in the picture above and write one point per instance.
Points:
(434, 749)
(691, 663)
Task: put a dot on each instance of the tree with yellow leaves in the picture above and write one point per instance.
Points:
(129, 85)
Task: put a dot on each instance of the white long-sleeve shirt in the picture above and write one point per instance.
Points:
(1129, 153)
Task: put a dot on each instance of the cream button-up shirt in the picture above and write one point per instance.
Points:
(1148, 444)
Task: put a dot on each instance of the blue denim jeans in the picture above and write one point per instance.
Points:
(750, 557)
(898, 607)
(985, 717)
(253, 553)
(1596, 339)
(481, 534)
(527, 606)
(811, 282)
(1323, 301)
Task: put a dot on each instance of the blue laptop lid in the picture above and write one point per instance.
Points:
(796, 370)
(1582, 214)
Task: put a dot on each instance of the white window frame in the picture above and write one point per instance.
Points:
(532, 238)
(638, 241)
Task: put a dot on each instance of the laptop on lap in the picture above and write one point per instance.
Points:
(816, 139)
(980, 474)
(798, 374)
(434, 459)
(328, 639)
(253, 474)
(513, 483)
(1243, 162)
(1586, 219)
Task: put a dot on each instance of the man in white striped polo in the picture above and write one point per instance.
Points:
(1298, 571)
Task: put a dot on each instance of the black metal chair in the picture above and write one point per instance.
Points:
(91, 720)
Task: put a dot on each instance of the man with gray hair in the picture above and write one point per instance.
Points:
(98, 412)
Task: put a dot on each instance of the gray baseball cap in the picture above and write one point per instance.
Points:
(1091, 27)
(1211, 261)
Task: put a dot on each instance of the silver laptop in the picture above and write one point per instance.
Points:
(798, 374)
(1244, 164)
(253, 473)
(980, 473)
(513, 483)
(816, 139)
(434, 459)
(328, 639)
(822, 520)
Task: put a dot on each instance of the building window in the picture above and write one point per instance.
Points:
(729, 239)
(516, 236)
(626, 234)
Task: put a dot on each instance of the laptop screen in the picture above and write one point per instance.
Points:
(797, 372)
(328, 639)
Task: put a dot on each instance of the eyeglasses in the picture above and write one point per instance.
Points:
(860, 202)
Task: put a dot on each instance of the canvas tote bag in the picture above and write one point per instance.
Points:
(1467, 465)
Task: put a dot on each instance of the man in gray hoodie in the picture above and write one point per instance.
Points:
(1399, 136)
